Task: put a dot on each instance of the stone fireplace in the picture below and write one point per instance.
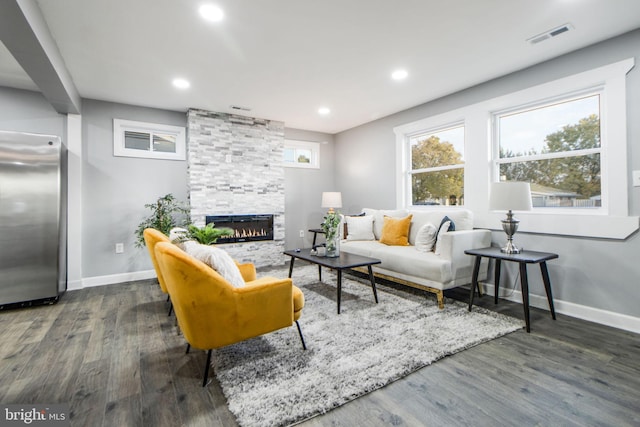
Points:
(235, 168)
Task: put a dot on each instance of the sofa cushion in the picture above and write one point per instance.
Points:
(217, 259)
(426, 238)
(359, 227)
(395, 231)
(462, 218)
(444, 228)
(378, 218)
(450, 227)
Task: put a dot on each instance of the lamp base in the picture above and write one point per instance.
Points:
(510, 226)
(510, 248)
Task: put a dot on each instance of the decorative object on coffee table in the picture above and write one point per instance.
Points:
(510, 196)
(331, 222)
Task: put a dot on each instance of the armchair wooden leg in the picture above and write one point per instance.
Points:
(170, 308)
(304, 347)
(206, 369)
(188, 348)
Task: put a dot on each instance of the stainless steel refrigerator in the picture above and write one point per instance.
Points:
(33, 220)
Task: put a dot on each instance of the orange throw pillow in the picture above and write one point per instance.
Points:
(395, 231)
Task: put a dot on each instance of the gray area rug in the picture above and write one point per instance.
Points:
(271, 381)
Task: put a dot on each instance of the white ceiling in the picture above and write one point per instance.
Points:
(286, 58)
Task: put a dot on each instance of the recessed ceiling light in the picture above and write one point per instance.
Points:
(181, 83)
(323, 111)
(399, 75)
(211, 12)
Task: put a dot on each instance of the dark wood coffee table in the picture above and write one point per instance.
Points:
(343, 262)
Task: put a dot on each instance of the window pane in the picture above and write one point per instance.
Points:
(438, 188)
(565, 182)
(303, 155)
(442, 148)
(136, 140)
(164, 143)
(565, 126)
(289, 155)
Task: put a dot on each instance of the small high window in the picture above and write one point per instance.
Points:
(148, 140)
(301, 154)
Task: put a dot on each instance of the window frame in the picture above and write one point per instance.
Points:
(314, 147)
(411, 171)
(547, 102)
(121, 126)
(612, 222)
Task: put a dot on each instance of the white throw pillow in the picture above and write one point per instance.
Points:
(444, 228)
(360, 227)
(217, 259)
(426, 237)
(178, 236)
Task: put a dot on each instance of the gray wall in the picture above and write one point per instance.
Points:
(596, 273)
(115, 189)
(26, 111)
(303, 189)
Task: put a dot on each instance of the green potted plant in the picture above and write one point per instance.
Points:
(165, 213)
(206, 235)
(331, 232)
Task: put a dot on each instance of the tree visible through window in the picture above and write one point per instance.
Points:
(437, 167)
(555, 147)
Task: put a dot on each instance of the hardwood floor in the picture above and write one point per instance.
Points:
(114, 356)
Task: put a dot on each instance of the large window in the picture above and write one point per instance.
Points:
(567, 137)
(556, 147)
(437, 167)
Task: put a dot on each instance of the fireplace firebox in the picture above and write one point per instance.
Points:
(246, 228)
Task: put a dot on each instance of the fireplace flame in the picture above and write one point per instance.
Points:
(247, 232)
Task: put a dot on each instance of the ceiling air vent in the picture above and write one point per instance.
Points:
(549, 34)
(238, 108)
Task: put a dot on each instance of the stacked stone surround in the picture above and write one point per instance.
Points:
(235, 167)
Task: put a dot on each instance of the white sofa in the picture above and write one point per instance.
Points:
(431, 271)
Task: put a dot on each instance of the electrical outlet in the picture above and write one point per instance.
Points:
(119, 248)
(636, 178)
(301, 233)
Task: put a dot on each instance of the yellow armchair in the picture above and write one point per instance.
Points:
(151, 238)
(212, 313)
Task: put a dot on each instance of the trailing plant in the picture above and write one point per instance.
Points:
(331, 222)
(330, 228)
(206, 235)
(165, 213)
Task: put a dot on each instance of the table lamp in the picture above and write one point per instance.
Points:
(331, 200)
(510, 196)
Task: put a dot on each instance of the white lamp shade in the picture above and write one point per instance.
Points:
(331, 199)
(511, 195)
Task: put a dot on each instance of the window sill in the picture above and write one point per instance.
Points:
(593, 226)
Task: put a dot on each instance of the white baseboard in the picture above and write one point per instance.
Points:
(110, 279)
(74, 285)
(591, 314)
